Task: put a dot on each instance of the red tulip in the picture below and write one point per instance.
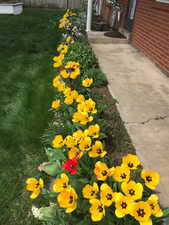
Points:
(70, 165)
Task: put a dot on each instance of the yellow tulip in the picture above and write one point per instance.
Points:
(69, 141)
(90, 191)
(81, 117)
(97, 150)
(74, 73)
(141, 211)
(131, 161)
(58, 141)
(56, 104)
(81, 107)
(34, 186)
(78, 135)
(85, 144)
(74, 94)
(68, 199)
(122, 205)
(106, 195)
(101, 171)
(80, 98)
(75, 153)
(69, 39)
(67, 92)
(61, 184)
(72, 68)
(57, 64)
(58, 58)
(150, 178)
(93, 131)
(61, 87)
(97, 210)
(68, 100)
(90, 106)
(71, 64)
(155, 208)
(87, 82)
(56, 81)
(121, 174)
(64, 73)
(132, 189)
(63, 49)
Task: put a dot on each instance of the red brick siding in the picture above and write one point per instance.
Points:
(151, 31)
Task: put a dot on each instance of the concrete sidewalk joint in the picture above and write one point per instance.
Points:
(148, 120)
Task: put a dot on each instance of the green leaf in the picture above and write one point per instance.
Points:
(166, 212)
(71, 110)
(83, 180)
(102, 136)
(85, 221)
(52, 194)
(48, 213)
(44, 191)
(115, 187)
(52, 169)
(55, 154)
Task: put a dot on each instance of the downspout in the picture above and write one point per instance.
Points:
(89, 16)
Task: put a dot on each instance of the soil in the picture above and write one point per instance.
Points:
(119, 142)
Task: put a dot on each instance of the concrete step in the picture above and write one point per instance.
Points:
(97, 37)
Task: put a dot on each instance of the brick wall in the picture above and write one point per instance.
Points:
(151, 31)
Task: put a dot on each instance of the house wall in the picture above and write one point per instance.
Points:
(151, 31)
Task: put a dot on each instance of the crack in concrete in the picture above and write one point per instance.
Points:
(148, 120)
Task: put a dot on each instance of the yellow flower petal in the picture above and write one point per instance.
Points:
(148, 222)
(41, 183)
(119, 214)
(35, 194)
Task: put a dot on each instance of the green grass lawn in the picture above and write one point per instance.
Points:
(27, 44)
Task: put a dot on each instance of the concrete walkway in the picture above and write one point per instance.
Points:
(143, 95)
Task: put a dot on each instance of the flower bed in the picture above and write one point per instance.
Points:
(86, 186)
